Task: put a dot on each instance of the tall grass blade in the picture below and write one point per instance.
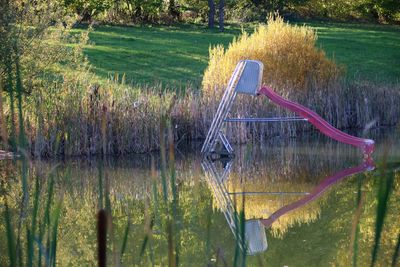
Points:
(208, 231)
(10, 89)
(170, 237)
(385, 187)
(42, 252)
(32, 231)
(146, 238)
(237, 229)
(45, 223)
(242, 224)
(102, 238)
(18, 85)
(356, 221)
(47, 218)
(3, 129)
(107, 203)
(163, 159)
(38, 240)
(220, 255)
(23, 207)
(125, 240)
(175, 215)
(154, 188)
(10, 236)
(396, 253)
(100, 184)
(53, 247)
(50, 192)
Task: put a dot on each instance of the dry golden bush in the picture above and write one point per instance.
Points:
(289, 53)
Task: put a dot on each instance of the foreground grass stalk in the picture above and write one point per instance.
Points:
(54, 232)
(242, 224)
(396, 253)
(385, 186)
(125, 240)
(147, 237)
(21, 135)
(356, 221)
(163, 153)
(237, 234)
(10, 89)
(102, 238)
(10, 236)
(175, 197)
(3, 129)
(170, 238)
(32, 231)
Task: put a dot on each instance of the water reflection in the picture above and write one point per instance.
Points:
(217, 173)
(264, 182)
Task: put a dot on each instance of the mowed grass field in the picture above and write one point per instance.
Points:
(178, 55)
(367, 51)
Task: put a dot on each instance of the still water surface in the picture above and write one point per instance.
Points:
(300, 202)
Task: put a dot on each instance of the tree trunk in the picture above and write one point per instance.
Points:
(174, 10)
(211, 13)
(221, 15)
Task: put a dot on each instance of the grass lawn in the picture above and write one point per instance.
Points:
(173, 55)
(368, 51)
(176, 55)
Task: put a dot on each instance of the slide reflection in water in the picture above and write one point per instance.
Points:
(255, 236)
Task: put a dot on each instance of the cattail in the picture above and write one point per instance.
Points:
(102, 238)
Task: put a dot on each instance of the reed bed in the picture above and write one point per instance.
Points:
(80, 117)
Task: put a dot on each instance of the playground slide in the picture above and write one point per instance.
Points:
(367, 165)
(367, 145)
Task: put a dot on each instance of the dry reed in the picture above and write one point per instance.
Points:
(79, 117)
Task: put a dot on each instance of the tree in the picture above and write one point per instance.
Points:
(221, 7)
(211, 13)
(173, 10)
(87, 8)
(382, 10)
(267, 6)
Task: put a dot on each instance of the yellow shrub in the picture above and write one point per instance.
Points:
(289, 54)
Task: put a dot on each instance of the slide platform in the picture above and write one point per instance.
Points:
(367, 145)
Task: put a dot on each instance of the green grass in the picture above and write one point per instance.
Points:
(173, 55)
(176, 55)
(368, 51)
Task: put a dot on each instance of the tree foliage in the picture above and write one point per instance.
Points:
(382, 11)
(159, 11)
(87, 8)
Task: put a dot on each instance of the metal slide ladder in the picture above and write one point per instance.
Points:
(246, 79)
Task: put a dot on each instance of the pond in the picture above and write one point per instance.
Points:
(308, 201)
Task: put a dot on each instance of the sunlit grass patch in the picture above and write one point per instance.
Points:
(367, 51)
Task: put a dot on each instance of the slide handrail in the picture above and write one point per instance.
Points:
(367, 145)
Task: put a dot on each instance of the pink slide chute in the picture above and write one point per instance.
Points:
(367, 145)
